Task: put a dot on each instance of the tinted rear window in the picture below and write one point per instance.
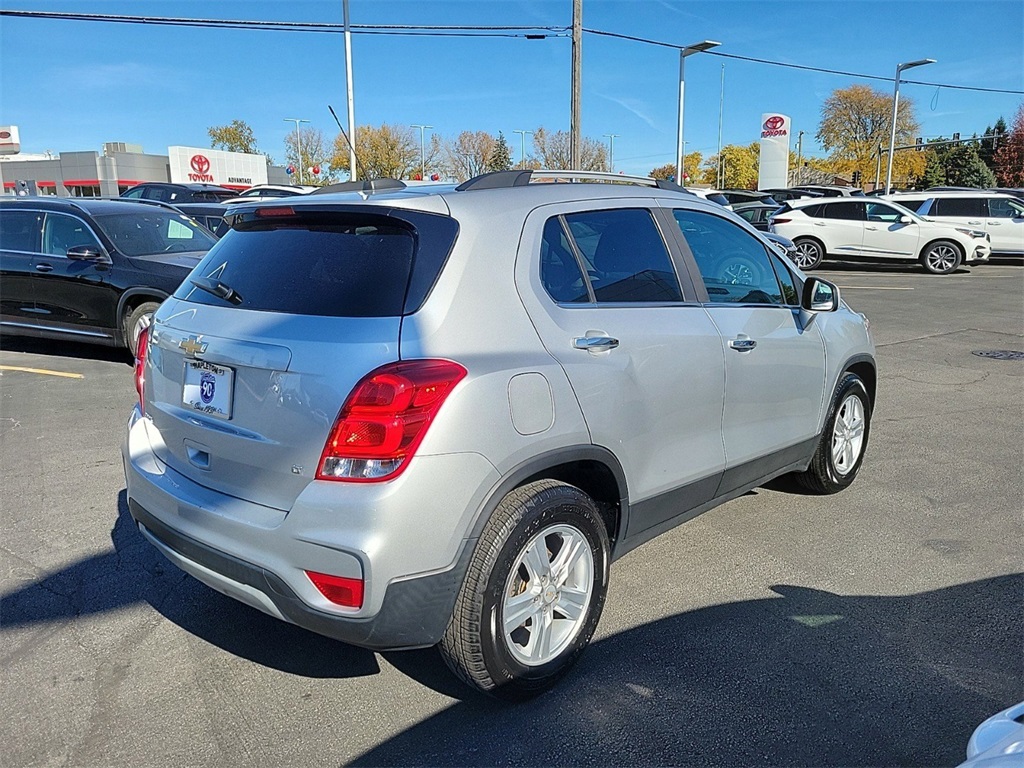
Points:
(338, 265)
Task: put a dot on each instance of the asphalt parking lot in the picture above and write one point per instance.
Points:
(875, 627)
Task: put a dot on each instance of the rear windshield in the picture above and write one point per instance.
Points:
(338, 265)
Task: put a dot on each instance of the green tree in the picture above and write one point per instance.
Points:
(934, 172)
(739, 166)
(987, 147)
(963, 167)
(308, 150)
(500, 158)
(1009, 158)
(236, 136)
(855, 121)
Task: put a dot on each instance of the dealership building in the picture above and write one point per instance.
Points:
(120, 166)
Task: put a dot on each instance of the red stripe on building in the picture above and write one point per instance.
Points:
(8, 185)
(128, 183)
(46, 183)
(81, 182)
(240, 187)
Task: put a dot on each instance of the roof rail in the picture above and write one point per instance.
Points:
(157, 203)
(506, 179)
(369, 185)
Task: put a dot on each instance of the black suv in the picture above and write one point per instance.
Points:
(179, 193)
(91, 270)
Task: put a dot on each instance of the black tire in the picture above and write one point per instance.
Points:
(941, 257)
(739, 270)
(135, 320)
(809, 253)
(825, 475)
(475, 645)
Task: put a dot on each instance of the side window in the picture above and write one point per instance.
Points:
(155, 193)
(559, 271)
(134, 194)
(848, 211)
(19, 230)
(958, 206)
(735, 266)
(814, 211)
(882, 212)
(914, 205)
(626, 259)
(1001, 208)
(62, 232)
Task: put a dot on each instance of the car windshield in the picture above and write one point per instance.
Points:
(152, 232)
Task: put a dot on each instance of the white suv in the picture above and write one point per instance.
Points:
(1002, 216)
(862, 228)
(436, 415)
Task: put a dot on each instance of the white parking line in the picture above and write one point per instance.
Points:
(872, 288)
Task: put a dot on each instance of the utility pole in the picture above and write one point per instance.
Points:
(577, 67)
(611, 150)
(522, 144)
(351, 100)
(298, 140)
(423, 170)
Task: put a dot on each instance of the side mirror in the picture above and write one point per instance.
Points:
(87, 253)
(906, 220)
(820, 295)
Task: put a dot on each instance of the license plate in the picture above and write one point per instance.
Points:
(208, 388)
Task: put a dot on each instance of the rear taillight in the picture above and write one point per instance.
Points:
(340, 590)
(140, 367)
(778, 220)
(385, 418)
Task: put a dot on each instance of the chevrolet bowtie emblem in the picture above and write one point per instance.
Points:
(192, 346)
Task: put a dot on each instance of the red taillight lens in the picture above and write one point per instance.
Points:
(777, 220)
(282, 211)
(385, 418)
(140, 367)
(338, 589)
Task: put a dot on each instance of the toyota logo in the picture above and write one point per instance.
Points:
(771, 124)
(201, 164)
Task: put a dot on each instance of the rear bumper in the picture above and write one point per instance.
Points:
(408, 540)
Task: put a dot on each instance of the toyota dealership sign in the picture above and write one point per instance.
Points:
(773, 170)
(215, 166)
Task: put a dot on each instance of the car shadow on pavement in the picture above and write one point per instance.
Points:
(135, 572)
(805, 678)
(892, 268)
(52, 348)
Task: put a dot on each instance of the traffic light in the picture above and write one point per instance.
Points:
(956, 137)
(919, 143)
(856, 178)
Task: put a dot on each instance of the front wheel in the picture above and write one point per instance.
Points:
(809, 254)
(533, 593)
(841, 448)
(941, 257)
(137, 319)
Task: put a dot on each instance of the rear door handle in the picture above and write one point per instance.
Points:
(974, 222)
(742, 344)
(44, 267)
(595, 343)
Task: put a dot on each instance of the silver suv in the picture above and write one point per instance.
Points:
(435, 415)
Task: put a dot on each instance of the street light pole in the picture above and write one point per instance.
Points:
(800, 157)
(423, 170)
(683, 53)
(351, 99)
(721, 109)
(895, 107)
(611, 150)
(298, 140)
(522, 145)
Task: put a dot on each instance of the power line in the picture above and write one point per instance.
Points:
(799, 66)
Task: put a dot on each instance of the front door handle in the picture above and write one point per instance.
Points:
(742, 344)
(974, 222)
(44, 267)
(595, 343)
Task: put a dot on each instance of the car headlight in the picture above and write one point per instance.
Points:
(973, 233)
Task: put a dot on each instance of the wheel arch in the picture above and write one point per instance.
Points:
(592, 469)
(129, 300)
(864, 367)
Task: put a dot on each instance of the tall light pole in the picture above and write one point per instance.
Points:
(298, 140)
(611, 150)
(351, 98)
(800, 157)
(683, 53)
(895, 107)
(522, 145)
(721, 109)
(423, 170)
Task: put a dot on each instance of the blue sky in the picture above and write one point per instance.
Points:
(72, 85)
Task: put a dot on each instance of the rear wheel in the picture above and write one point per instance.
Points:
(533, 593)
(941, 257)
(135, 320)
(809, 253)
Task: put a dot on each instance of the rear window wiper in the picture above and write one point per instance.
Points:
(217, 288)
